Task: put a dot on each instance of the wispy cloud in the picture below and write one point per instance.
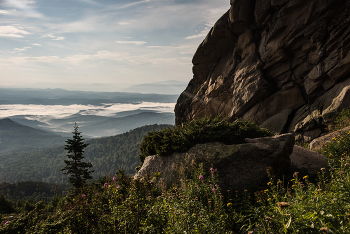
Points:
(130, 4)
(12, 31)
(132, 42)
(27, 7)
(22, 49)
(202, 34)
(3, 12)
(55, 38)
(124, 23)
(91, 2)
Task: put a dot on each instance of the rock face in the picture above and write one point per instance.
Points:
(284, 64)
(239, 166)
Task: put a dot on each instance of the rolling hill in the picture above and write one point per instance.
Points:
(21, 138)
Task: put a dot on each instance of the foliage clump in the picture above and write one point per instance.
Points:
(181, 138)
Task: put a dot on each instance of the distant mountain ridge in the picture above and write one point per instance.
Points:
(113, 126)
(66, 97)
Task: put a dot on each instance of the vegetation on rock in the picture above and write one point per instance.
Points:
(180, 138)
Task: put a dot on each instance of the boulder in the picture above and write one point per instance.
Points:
(267, 59)
(239, 166)
(307, 160)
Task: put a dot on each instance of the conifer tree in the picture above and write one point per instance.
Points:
(77, 170)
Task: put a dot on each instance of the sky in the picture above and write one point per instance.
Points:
(101, 45)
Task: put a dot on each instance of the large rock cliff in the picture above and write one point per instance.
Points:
(282, 63)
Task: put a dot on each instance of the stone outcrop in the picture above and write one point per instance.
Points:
(239, 166)
(284, 64)
(318, 143)
(306, 160)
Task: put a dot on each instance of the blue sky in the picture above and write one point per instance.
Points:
(103, 45)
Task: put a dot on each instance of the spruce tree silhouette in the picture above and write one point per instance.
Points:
(77, 170)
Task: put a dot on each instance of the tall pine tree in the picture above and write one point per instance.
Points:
(77, 170)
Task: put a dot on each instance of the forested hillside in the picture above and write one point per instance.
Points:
(107, 155)
(15, 136)
(32, 190)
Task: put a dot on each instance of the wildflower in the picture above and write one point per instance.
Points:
(293, 186)
(211, 169)
(283, 204)
(201, 177)
(292, 179)
(265, 191)
(229, 204)
(214, 189)
(269, 199)
(118, 187)
(323, 229)
(83, 195)
(269, 183)
(114, 179)
(106, 184)
(305, 177)
(6, 222)
(216, 185)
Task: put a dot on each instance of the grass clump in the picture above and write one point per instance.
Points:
(181, 138)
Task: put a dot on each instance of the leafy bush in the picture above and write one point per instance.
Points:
(6, 206)
(181, 138)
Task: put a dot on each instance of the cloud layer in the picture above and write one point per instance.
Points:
(60, 111)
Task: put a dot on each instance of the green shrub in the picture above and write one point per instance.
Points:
(343, 118)
(180, 138)
(6, 206)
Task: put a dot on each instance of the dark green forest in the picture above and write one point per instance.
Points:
(107, 155)
(32, 190)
